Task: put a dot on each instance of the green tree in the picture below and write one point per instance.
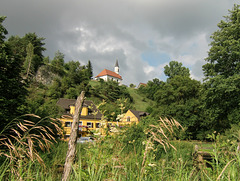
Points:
(112, 91)
(29, 58)
(57, 63)
(176, 68)
(221, 87)
(221, 102)
(89, 69)
(224, 55)
(19, 47)
(55, 90)
(12, 87)
(3, 30)
(132, 86)
(38, 50)
(180, 98)
(151, 88)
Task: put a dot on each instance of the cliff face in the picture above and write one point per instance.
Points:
(45, 75)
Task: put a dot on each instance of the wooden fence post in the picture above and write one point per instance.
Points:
(73, 138)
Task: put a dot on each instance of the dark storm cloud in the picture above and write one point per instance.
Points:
(103, 31)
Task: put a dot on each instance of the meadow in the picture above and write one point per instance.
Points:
(132, 154)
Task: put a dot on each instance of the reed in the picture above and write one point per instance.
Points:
(22, 139)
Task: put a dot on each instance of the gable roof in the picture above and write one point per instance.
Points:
(110, 73)
(66, 103)
(141, 84)
(139, 114)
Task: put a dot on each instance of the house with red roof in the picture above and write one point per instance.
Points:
(110, 75)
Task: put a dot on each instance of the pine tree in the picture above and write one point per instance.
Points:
(89, 69)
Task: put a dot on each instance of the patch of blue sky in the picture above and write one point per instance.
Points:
(151, 44)
(155, 58)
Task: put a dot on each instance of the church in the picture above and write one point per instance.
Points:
(110, 75)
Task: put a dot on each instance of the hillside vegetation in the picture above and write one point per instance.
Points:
(180, 108)
(139, 101)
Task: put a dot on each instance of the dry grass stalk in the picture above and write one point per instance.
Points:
(219, 177)
(159, 132)
(144, 156)
(21, 139)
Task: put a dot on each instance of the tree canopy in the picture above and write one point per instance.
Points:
(19, 45)
(224, 55)
(175, 68)
(221, 87)
(12, 86)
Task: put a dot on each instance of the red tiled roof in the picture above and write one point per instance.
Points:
(141, 84)
(110, 73)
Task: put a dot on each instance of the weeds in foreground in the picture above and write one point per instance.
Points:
(110, 158)
(21, 140)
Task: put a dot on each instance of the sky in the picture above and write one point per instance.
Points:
(143, 35)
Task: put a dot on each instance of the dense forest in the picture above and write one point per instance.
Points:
(31, 84)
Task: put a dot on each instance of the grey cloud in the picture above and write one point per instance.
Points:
(131, 25)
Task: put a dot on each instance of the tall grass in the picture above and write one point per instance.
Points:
(20, 142)
(158, 157)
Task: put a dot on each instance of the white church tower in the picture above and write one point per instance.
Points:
(116, 68)
(110, 75)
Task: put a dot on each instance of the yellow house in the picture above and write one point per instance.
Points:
(90, 117)
(132, 116)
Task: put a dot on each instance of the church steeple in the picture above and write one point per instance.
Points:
(116, 68)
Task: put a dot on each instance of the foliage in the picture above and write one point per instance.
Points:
(113, 95)
(3, 30)
(89, 69)
(39, 104)
(140, 101)
(29, 58)
(109, 159)
(224, 56)
(180, 98)
(117, 91)
(19, 48)
(12, 86)
(22, 138)
(57, 63)
(221, 101)
(221, 88)
(151, 88)
(176, 68)
(132, 86)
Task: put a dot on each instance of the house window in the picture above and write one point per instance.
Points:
(89, 111)
(66, 136)
(89, 125)
(80, 126)
(128, 119)
(97, 125)
(68, 124)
